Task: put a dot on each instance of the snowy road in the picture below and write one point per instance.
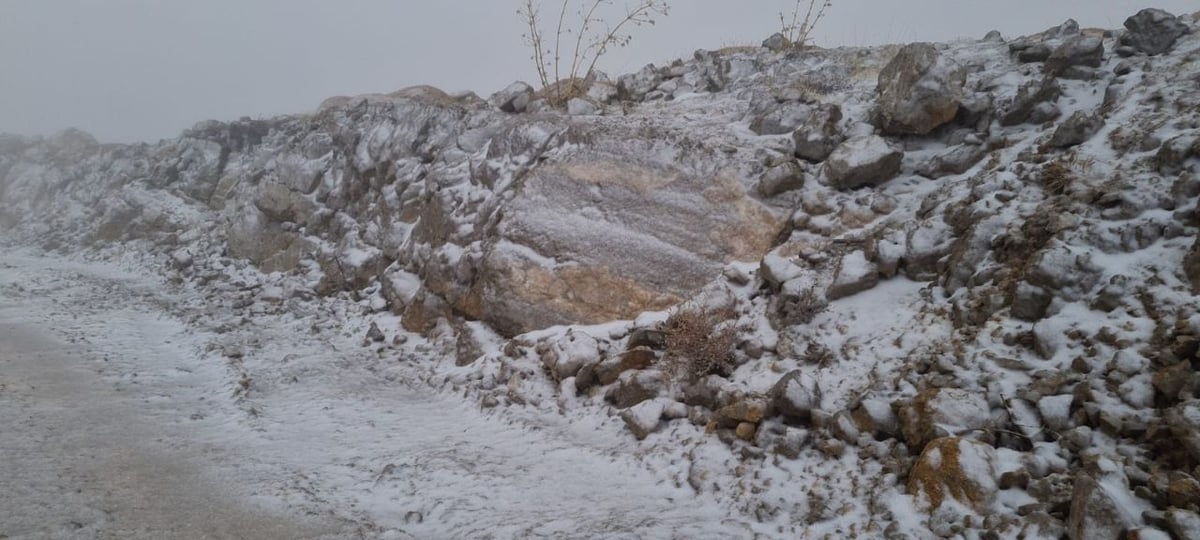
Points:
(119, 421)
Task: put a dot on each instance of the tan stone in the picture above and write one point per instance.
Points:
(954, 468)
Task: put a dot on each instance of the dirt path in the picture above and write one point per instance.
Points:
(121, 421)
(81, 457)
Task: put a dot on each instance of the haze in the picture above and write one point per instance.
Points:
(140, 70)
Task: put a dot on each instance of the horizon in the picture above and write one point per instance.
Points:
(141, 71)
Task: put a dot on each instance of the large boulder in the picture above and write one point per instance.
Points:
(1076, 129)
(956, 469)
(796, 395)
(1101, 508)
(942, 412)
(1080, 50)
(601, 234)
(1152, 31)
(855, 274)
(516, 98)
(862, 161)
(919, 90)
(818, 136)
(1028, 104)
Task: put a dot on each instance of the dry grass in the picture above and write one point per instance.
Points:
(700, 342)
(1057, 176)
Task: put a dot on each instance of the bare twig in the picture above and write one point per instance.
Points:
(797, 31)
(591, 42)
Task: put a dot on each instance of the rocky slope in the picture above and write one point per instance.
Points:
(958, 282)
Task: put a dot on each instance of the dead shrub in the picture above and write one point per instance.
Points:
(700, 342)
(1057, 176)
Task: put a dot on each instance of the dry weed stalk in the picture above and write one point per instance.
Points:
(593, 37)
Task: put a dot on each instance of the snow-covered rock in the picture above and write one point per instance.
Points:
(919, 90)
(862, 161)
(796, 395)
(1152, 31)
(953, 469)
(941, 412)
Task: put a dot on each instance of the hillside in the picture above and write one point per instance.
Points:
(931, 289)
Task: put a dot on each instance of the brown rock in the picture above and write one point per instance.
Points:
(953, 468)
(919, 90)
(751, 409)
(599, 275)
(1183, 491)
(746, 430)
(609, 370)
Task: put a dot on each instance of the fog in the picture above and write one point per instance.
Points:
(131, 70)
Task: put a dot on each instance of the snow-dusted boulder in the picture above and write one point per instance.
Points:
(954, 160)
(1103, 507)
(862, 161)
(787, 176)
(1076, 129)
(1080, 50)
(612, 230)
(919, 90)
(818, 135)
(796, 395)
(954, 469)
(515, 98)
(644, 418)
(855, 274)
(1152, 31)
(941, 412)
(1029, 105)
(568, 354)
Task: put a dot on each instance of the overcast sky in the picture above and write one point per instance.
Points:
(129, 70)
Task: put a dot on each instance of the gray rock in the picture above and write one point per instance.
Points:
(635, 86)
(787, 176)
(1044, 112)
(1152, 31)
(862, 161)
(634, 387)
(777, 42)
(516, 98)
(855, 274)
(645, 417)
(818, 136)
(1183, 524)
(374, 333)
(1184, 422)
(581, 107)
(1068, 28)
(1098, 512)
(796, 395)
(1191, 266)
(566, 355)
(1124, 67)
(1175, 152)
(1030, 302)
(771, 117)
(1076, 129)
(1077, 51)
(1037, 52)
(954, 160)
(1023, 106)
(993, 36)
(919, 90)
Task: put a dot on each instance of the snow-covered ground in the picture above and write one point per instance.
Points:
(124, 420)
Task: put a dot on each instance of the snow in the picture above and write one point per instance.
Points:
(328, 428)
